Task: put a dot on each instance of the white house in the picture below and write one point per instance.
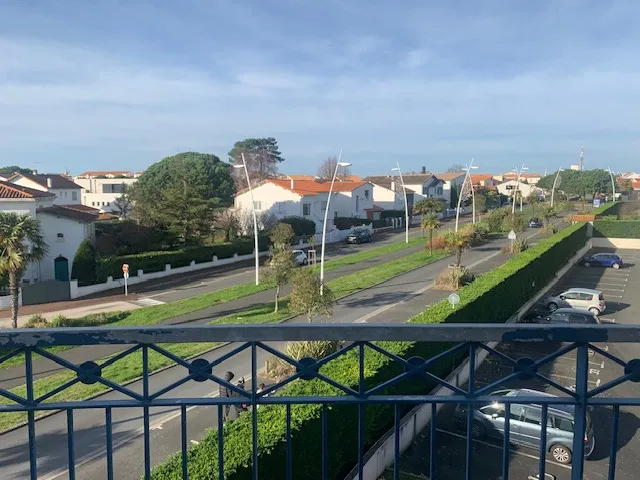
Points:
(63, 228)
(451, 180)
(66, 192)
(387, 197)
(508, 188)
(307, 198)
(100, 189)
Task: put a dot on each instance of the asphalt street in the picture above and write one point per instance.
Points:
(618, 286)
(393, 301)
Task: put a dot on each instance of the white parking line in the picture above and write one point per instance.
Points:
(566, 357)
(555, 375)
(516, 452)
(613, 284)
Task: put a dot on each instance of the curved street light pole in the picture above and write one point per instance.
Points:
(255, 218)
(326, 214)
(406, 204)
(464, 182)
(555, 181)
(613, 184)
(515, 193)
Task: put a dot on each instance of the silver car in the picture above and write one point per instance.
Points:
(572, 316)
(525, 424)
(584, 298)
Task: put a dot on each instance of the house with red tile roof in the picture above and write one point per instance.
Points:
(294, 197)
(65, 190)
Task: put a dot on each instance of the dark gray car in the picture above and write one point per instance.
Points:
(525, 424)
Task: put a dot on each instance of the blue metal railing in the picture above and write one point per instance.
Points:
(251, 343)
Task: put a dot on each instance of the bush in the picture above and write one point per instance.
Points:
(301, 226)
(156, 261)
(345, 223)
(126, 237)
(495, 219)
(454, 278)
(380, 223)
(616, 228)
(519, 245)
(514, 283)
(477, 233)
(549, 229)
(85, 263)
(517, 223)
(392, 214)
(36, 321)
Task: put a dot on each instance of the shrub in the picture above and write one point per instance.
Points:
(519, 245)
(345, 223)
(317, 350)
(301, 226)
(549, 229)
(513, 284)
(60, 321)
(380, 223)
(454, 278)
(36, 321)
(85, 263)
(392, 214)
(517, 223)
(495, 219)
(438, 243)
(616, 228)
(126, 237)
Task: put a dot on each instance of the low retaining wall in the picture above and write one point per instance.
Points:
(5, 301)
(382, 454)
(631, 243)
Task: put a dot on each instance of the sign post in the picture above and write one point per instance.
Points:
(125, 271)
(512, 236)
(454, 299)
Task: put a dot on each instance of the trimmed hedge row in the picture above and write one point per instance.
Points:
(156, 261)
(345, 223)
(609, 208)
(616, 228)
(514, 283)
(301, 226)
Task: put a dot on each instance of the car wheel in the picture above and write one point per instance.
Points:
(552, 307)
(561, 454)
(616, 266)
(587, 264)
(595, 311)
(477, 430)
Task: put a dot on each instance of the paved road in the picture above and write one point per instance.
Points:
(619, 287)
(393, 301)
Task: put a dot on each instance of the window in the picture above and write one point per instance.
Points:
(65, 194)
(93, 204)
(534, 415)
(559, 317)
(439, 191)
(425, 190)
(366, 194)
(61, 235)
(306, 209)
(357, 202)
(257, 205)
(108, 203)
(561, 423)
(570, 296)
(516, 412)
(585, 296)
(493, 409)
(323, 205)
(74, 195)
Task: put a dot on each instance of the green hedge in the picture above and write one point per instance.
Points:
(301, 226)
(392, 214)
(156, 261)
(380, 223)
(609, 208)
(616, 228)
(345, 223)
(514, 283)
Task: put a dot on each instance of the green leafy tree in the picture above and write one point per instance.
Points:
(11, 169)
(261, 155)
(180, 194)
(458, 242)
(21, 242)
(427, 206)
(430, 222)
(480, 197)
(280, 265)
(84, 266)
(123, 202)
(306, 298)
(548, 213)
(580, 183)
(533, 199)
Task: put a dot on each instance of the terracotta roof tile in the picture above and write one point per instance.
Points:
(309, 187)
(70, 213)
(57, 181)
(11, 190)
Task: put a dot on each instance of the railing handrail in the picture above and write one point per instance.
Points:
(459, 332)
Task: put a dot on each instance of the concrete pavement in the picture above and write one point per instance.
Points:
(396, 300)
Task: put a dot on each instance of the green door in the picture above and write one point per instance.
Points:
(61, 268)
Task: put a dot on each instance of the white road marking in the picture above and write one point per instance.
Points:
(516, 452)
(147, 302)
(615, 296)
(195, 442)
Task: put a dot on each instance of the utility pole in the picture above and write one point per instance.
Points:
(581, 159)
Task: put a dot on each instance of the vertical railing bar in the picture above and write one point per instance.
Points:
(183, 432)
(471, 389)
(325, 442)
(360, 441)
(396, 442)
(70, 445)
(31, 420)
(432, 441)
(254, 410)
(506, 446)
(543, 441)
(145, 409)
(220, 442)
(580, 412)
(613, 452)
(289, 471)
(361, 389)
(109, 432)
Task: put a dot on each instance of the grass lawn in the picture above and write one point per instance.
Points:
(130, 367)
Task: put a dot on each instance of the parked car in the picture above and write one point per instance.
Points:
(525, 423)
(573, 316)
(602, 260)
(359, 235)
(535, 223)
(300, 257)
(585, 298)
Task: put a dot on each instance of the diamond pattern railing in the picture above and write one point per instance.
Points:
(479, 344)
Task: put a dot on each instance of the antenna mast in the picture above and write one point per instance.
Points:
(581, 159)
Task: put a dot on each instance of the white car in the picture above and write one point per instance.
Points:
(585, 298)
(299, 257)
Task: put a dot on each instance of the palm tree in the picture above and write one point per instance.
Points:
(459, 242)
(533, 199)
(427, 206)
(430, 222)
(548, 213)
(21, 242)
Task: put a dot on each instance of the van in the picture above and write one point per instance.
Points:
(525, 423)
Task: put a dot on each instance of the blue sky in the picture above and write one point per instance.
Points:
(120, 84)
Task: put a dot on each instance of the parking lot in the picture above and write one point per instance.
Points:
(618, 287)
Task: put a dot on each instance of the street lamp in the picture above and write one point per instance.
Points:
(468, 169)
(406, 205)
(613, 184)
(555, 181)
(255, 218)
(515, 192)
(326, 214)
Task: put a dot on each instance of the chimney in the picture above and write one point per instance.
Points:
(393, 185)
(49, 182)
(291, 183)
